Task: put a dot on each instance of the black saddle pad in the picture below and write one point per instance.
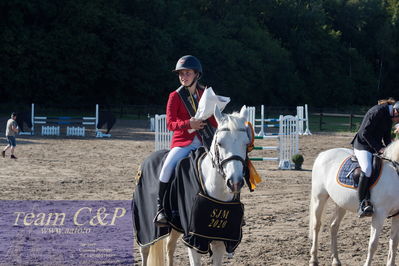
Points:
(346, 171)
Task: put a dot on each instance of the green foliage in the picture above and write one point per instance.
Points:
(298, 159)
(277, 52)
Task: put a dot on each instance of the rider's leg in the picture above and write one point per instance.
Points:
(160, 218)
(174, 156)
(365, 161)
(365, 207)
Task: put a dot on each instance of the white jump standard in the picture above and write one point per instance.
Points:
(163, 136)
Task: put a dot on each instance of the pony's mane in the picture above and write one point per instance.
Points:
(392, 151)
(232, 121)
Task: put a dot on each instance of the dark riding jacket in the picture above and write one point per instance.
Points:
(375, 128)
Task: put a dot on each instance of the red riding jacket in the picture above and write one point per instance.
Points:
(178, 120)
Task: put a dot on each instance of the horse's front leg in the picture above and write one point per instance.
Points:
(316, 211)
(144, 251)
(218, 250)
(194, 256)
(393, 241)
(171, 246)
(376, 225)
(336, 221)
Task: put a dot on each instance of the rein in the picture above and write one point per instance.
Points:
(216, 160)
(396, 165)
(236, 197)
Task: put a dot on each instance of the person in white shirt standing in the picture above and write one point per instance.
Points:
(11, 132)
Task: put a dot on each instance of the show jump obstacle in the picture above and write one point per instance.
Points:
(287, 137)
(262, 123)
(74, 126)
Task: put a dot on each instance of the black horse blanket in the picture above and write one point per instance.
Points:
(144, 205)
(189, 209)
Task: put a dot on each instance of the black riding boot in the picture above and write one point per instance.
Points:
(365, 207)
(160, 218)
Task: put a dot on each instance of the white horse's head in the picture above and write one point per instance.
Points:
(229, 147)
(392, 151)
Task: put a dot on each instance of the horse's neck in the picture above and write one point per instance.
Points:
(215, 185)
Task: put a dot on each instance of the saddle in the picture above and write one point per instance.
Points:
(349, 172)
(376, 163)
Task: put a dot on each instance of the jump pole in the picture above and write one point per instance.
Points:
(302, 113)
(288, 142)
(252, 118)
(273, 148)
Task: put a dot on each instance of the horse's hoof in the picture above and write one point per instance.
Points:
(313, 263)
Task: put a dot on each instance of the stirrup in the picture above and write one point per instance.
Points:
(160, 219)
(365, 209)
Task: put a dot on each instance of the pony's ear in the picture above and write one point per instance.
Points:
(243, 112)
(218, 115)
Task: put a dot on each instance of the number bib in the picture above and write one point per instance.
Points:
(216, 219)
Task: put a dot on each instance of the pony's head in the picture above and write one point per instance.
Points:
(392, 151)
(229, 147)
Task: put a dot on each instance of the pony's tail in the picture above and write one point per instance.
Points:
(312, 215)
(156, 256)
(318, 195)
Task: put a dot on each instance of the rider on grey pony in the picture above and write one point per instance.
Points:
(179, 120)
(373, 136)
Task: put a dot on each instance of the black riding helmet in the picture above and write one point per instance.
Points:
(189, 62)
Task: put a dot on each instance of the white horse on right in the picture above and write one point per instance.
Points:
(384, 197)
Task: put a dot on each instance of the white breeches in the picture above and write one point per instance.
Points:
(174, 156)
(365, 161)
